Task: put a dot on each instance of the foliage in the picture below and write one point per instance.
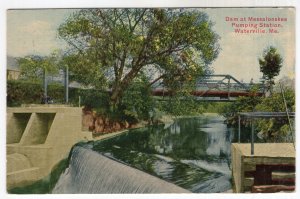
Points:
(181, 104)
(275, 103)
(137, 102)
(214, 107)
(276, 129)
(242, 104)
(270, 65)
(23, 92)
(96, 99)
(27, 92)
(33, 67)
(57, 92)
(112, 46)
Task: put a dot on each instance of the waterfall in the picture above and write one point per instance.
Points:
(91, 172)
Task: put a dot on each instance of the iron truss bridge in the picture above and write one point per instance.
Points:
(217, 88)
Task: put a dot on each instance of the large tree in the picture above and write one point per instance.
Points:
(270, 65)
(113, 46)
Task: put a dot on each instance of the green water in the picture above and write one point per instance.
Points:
(193, 153)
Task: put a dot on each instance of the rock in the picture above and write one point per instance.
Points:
(126, 124)
(133, 126)
(91, 128)
(88, 121)
(117, 126)
(101, 125)
(106, 121)
(99, 128)
(100, 121)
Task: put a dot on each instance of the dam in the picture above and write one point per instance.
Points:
(38, 137)
(145, 160)
(90, 172)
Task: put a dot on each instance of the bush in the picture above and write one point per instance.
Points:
(276, 129)
(23, 92)
(272, 129)
(26, 92)
(96, 99)
(137, 102)
(242, 104)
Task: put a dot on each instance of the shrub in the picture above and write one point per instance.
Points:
(21, 92)
(271, 129)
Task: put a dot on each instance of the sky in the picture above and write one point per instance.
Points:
(35, 32)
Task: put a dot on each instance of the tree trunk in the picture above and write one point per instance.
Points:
(120, 87)
(115, 95)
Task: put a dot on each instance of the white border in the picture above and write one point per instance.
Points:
(143, 3)
(23, 4)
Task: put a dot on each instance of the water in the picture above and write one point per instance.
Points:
(193, 153)
(91, 172)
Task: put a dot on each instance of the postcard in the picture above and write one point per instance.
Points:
(186, 100)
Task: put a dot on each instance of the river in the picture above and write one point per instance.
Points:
(192, 153)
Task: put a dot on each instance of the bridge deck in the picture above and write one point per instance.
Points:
(208, 93)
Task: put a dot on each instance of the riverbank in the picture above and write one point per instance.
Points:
(167, 120)
(88, 135)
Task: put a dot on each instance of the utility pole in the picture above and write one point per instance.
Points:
(287, 112)
(45, 87)
(67, 85)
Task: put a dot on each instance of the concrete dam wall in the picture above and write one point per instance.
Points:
(91, 173)
(37, 139)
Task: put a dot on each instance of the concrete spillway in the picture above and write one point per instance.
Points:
(91, 172)
(37, 139)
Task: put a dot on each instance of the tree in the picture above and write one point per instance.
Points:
(111, 47)
(242, 104)
(33, 67)
(270, 65)
(276, 129)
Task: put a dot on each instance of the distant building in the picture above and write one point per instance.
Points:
(12, 71)
(13, 74)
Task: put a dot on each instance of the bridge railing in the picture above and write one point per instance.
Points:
(217, 85)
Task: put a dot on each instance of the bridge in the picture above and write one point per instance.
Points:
(216, 88)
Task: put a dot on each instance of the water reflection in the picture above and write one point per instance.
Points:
(193, 153)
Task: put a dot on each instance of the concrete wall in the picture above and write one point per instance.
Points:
(237, 170)
(39, 137)
(264, 154)
(16, 124)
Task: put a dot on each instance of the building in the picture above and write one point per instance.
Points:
(12, 71)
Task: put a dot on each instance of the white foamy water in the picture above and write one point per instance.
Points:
(91, 172)
(212, 167)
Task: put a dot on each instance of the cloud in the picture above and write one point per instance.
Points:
(34, 31)
(35, 37)
(238, 57)
(240, 53)
(37, 28)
